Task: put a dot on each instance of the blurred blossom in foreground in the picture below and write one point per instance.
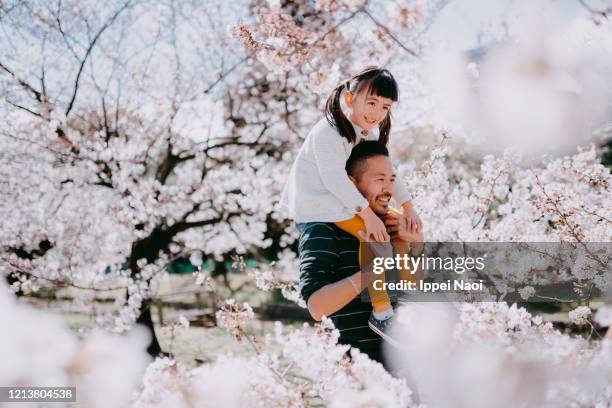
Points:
(37, 349)
(491, 354)
(544, 90)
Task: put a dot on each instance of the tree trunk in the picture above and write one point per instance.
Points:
(148, 248)
(145, 319)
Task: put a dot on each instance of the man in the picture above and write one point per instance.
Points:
(330, 278)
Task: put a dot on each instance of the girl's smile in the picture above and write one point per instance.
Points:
(367, 109)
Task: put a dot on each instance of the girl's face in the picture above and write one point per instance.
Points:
(367, 110)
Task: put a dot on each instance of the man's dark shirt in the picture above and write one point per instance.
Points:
(327, 255)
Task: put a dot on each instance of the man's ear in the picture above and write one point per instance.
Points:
(353, 179)
(348, 99)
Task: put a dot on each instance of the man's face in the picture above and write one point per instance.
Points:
(376, 183)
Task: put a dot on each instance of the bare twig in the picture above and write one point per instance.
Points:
(389, 33)
(603, 13)
(223, 75)
(37, 94)
(106, 25)
(23, 108)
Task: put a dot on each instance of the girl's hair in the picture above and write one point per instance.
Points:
(373, 80)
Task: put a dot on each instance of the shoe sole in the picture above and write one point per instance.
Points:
(384, 336)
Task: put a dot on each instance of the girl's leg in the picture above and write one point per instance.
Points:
(379, 298)
(401, 248)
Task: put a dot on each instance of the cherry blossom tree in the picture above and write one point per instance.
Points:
(133, 138)
(125, 147)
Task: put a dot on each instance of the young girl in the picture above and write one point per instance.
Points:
(318, 188)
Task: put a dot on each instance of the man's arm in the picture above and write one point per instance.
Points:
(334, 296)
(318, 261)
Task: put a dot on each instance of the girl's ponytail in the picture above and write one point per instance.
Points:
(336, 117)
(384, 128)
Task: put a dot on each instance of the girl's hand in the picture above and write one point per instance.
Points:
(414, 222)
(375, 228)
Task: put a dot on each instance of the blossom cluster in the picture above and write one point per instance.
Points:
(293, 367)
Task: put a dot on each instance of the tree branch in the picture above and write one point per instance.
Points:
(37, 94)
(23, 108)
(223, 75)
(106, 25)
(389, 33)
(603, 13)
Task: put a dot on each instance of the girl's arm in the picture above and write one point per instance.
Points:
(403, 196)
(330, 158)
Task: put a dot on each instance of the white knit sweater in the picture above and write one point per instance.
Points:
(318, 188)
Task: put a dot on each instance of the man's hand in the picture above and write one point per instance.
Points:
(399, 227)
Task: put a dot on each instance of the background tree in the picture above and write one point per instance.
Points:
(132, 137)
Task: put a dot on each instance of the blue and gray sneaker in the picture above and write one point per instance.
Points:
(383, 328)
